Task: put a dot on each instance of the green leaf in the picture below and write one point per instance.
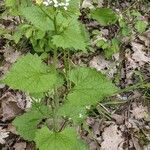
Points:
(10, 3)
(29, 32)
(73, 8)
(105, 16)
(65, 140)
(38, 34)
(17, 36)
(102, 44)
(90, 88)
(20, 31)
(114, 48)
(29, 74)
(136, 13)
(38, 18)
(140, 26)
(72, 37)
(26, 124)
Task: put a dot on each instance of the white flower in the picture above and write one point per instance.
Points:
(46, 3)
(80, 115)
(65, 8)
(88, 107)
(67, 3)
(57, 3)
(70, 118)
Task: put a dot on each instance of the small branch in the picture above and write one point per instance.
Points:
(63, 125)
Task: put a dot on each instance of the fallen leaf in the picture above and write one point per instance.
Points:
(9, 106)
(106, 67)
(136, 143)
(93, 145)
(20, 146)
(139, 55)
(145, 38)
(146, 147)
(87, 4)
(11, 55)
(112, 138)
(139, 112)
(3, 135)
(118, 118)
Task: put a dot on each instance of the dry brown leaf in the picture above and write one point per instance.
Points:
(4, 69)
(106, 67)
(9, 106)
(20, 146)
(3, 134)
(96, 128)
(112, 138)
(139, 112)
(146, 147)
(100, 3)
(118, 118)
(136, 143)
(139, 55)
(145, 38)
(11, 128)
(11, 55)
(93, 145)
(87, 4)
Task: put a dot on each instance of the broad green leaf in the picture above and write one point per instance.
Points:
(105, 16)
(90, 88)
(38, 18)
(29, 74)
(73, 8)
(26, 124)
(71, 38)
(140, 26)
(65, 140)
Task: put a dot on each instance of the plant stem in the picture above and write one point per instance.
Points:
(132, 5)
(56, 97)
(67, 67)
(136, 86)
(55, 59)
(45, 13)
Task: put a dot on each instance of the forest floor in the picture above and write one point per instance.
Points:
(121, 122)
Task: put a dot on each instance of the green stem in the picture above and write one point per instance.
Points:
(45, 13)
(67, 67)
(132, 5)
(55, 117)
(55, 59)
(56, 97)
(133, 87)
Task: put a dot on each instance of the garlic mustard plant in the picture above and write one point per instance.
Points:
(52, 31)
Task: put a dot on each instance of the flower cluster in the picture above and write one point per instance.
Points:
(57, 3)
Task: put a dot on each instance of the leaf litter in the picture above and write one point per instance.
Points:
(129, 126)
